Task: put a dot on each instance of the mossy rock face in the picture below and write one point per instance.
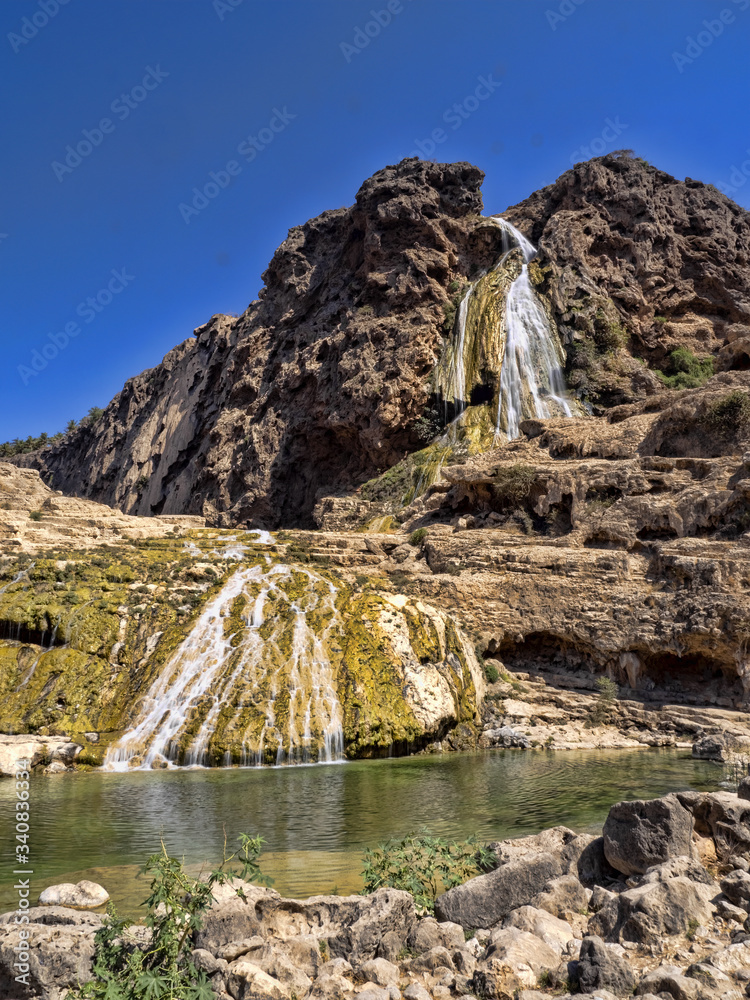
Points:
(301, 664)
(83, 633)
(406, 675)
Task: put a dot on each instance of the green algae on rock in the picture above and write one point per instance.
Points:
(175, 653)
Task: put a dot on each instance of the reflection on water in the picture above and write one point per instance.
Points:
(316, 820)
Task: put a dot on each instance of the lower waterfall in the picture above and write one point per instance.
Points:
(251, 684)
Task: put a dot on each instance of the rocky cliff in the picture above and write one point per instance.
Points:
(317, 384)
(330, 376)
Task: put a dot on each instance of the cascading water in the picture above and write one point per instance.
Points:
(504, 343)
(251, 684)
(531, 377)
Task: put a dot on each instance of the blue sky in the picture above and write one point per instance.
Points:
(306, 98)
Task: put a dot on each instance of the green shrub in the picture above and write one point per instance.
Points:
(424, 866)
(449, 314)
(416, 537)
(609, 334)
(608, 692)
(685, 370)
(176, 905)
(513, 484)
(428, 425)
(729, 415)
(491, 672)
(35, 515)
(393, 485)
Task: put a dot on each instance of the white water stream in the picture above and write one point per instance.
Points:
(531, 377)
(267, 687)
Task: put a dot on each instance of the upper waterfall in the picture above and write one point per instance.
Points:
(503, 362)
(532, 383)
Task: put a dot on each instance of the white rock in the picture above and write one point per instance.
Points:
(249, 982)
(84, 895)
(380, 972)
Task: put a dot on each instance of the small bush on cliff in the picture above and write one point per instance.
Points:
(686, 371)
(609, 334)
(428, 425)
(393, 486)
(608, 692)
(164, 970)
(513, 484)
(416, 537)
(424, 866)
(729, 415)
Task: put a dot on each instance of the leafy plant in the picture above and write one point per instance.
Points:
(609, 333)
(35, 515)
(163, 969)
(424, 866)
(686, 371)
(94, 414)
(608, 692)
(491, 672)
(428, 425)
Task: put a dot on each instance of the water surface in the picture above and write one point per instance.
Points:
(317, 820)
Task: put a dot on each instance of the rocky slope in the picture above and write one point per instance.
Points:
(330, 377)
(34, 517)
